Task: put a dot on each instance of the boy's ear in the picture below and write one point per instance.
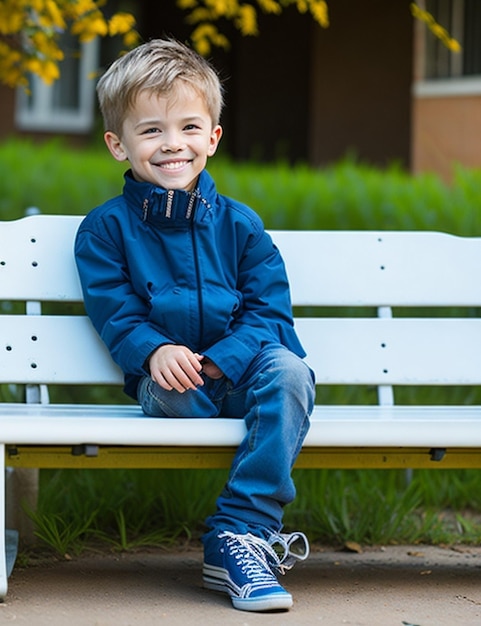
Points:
(214, 140)
(115, 146)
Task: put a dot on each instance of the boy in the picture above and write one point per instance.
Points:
(191, 297)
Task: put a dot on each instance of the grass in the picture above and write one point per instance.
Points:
(382, 506)
(122, 509)
(126, 509)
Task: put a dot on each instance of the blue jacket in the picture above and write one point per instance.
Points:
(198, 269)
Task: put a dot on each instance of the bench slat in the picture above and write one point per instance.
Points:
(358, 268)
(366, 268)
(393, 351)
(37, 260)
(416, 426)
(54, 349)
(369, 351)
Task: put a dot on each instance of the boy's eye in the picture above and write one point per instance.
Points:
(191, 127)
(150, 131)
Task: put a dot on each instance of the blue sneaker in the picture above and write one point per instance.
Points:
(243, 566)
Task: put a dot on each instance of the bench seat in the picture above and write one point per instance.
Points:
(332, 426)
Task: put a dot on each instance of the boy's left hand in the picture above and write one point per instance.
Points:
(210, 369)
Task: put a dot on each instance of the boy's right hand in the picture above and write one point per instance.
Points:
(176, 367)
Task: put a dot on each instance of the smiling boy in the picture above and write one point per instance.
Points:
(191, 297)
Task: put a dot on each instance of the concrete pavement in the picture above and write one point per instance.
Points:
(393, 586)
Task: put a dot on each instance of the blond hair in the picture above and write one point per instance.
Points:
(156, 67)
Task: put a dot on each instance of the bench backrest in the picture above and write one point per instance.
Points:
(363, 271)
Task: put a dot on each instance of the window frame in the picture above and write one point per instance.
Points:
(456, 84)
(40, 113)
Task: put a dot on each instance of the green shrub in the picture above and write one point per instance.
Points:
(348, 195)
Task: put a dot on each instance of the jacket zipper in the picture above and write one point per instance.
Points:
(199, 286)
(145, 209)
(170, 200)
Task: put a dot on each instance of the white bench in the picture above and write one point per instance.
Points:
(368, 271)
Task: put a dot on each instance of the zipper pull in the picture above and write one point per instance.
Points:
(145, 209)
(190, 205)
(170, 200)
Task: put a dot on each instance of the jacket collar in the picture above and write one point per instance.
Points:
(169, 207)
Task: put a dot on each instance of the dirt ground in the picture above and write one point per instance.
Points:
(392, 586)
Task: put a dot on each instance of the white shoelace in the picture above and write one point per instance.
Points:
(255, 555)
(255, 558)
(289, 549)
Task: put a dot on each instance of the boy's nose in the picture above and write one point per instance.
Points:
(172, 143)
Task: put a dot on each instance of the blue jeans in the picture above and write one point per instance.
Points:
(275, 398)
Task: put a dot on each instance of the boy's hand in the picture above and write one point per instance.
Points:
(176, 367)
(210, 369)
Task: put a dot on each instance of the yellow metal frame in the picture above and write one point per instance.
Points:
(221, 457)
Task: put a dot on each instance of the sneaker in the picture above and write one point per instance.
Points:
(242, 566)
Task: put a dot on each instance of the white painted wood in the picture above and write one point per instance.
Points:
(367, 351)
(326, 268)
(397, 351)
(385, 393)
(423, 426)
(54, 349)
(37, 259)
(3, 555)
(342, 268)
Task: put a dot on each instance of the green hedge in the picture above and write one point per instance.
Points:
(349, 195)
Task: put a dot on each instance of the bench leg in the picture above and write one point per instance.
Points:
(21, 492)
(3, 556)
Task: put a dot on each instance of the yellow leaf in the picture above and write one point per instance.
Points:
(454, 45)
(437, 30)
(49, 72)
(10, 21)
(131, 39)
(187, 4)
(353, 546)
(319, 12)
(89, 27)
(121, 23)
(55, 15)
(246, 20)
(270, 6)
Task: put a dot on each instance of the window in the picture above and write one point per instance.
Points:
(68, 104)
(445, 72)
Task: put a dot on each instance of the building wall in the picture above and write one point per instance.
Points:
(446, 131)
(361, 83)
(7, 110)
(268, 90)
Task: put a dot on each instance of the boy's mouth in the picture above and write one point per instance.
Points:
(173, 165)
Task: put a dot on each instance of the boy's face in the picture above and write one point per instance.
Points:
(167, 140)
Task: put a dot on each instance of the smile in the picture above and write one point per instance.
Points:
(173, 165)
